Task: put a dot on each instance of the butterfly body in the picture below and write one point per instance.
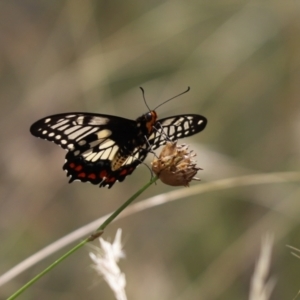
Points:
(103, 149)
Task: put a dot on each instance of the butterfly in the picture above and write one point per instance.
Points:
(103, 149)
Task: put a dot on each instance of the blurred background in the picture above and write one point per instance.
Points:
(241, 60)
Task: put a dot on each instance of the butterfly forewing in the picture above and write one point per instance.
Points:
(68, 128)
(176, 127)
(103, 149)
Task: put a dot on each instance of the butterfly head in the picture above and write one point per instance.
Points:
(148, 120)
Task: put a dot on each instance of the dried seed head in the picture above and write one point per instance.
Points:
(175, 165)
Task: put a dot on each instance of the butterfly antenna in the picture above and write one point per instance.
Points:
(143, 92)
(172, 98)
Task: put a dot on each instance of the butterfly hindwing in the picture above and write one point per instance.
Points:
(100, 172)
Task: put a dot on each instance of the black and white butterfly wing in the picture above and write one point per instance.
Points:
(176, 127)
(75, 130)
(92, 142)
(103, 149)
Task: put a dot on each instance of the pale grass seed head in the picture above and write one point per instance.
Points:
(261, 285)
(106, 264)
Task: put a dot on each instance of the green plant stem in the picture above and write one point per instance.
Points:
(92, 237)
(37, 277)
(123, 206)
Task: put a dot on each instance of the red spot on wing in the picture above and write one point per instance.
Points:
(72, 165)
(78, 168)
(92, 176)
(82, 175)
(123, 172)
(111, 179)
(103, 174)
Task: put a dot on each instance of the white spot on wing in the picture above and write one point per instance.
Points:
(95, 143)
(79, 120)
(89, 132)
(129, 160)
(172, 130)
(87, 153)
(106, 154)
(168, 121)
(106, 144)
(79, 132)
(72, 129)
(63, 127)
(58, 137)
(71, 146)
(51, 134)
(103, 133)
(109, 153)
(91, 157)
(44, 131)
(114, 151)
(98, 121)
(48, 120)
(59, 123)
(97, 157)
(83, 120)
(77, 152)
(82, 142)
(179, 121)
(151, 136)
